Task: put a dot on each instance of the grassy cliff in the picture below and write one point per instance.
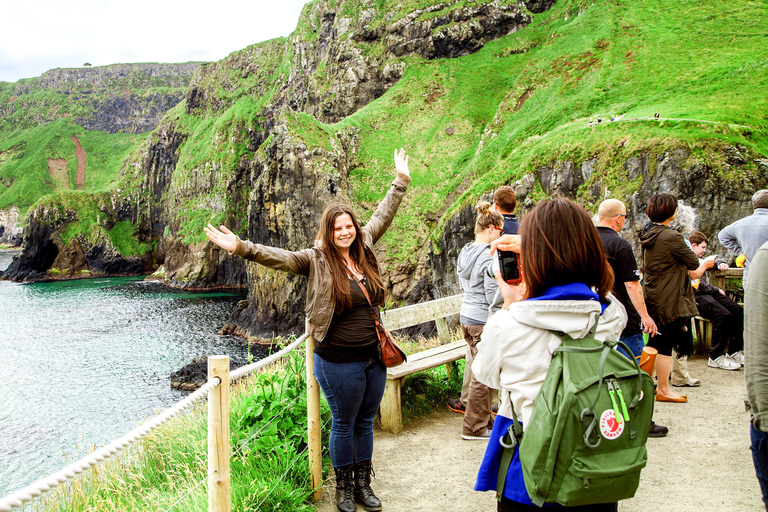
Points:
(470, 123)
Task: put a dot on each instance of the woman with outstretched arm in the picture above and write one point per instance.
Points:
(344, 285)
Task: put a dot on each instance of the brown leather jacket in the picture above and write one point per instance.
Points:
(666, 285)
(311, 262)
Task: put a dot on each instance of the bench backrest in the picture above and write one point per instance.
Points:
(416, 314)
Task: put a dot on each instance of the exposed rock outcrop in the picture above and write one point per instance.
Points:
(126, 98)
(91, 252)
(10, 228)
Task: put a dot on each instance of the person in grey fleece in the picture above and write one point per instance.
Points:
(479, 286)
(756, 363)
(745, 236)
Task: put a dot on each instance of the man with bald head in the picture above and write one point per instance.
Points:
(626, 287)
(626, 284)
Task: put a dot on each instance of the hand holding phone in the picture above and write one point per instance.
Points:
(509, 265)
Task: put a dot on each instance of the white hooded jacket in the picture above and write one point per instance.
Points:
(516, 346)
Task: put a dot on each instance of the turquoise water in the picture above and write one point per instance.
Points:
(84, 362)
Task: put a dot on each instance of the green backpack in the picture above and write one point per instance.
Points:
(585, 441)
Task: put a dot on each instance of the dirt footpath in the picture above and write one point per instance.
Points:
(704, 464)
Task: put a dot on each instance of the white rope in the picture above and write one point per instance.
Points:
(46, 484)
(245, 370)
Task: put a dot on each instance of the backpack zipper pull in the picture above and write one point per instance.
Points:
(624, 410)
(616, 411)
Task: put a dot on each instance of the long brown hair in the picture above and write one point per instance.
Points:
(364, 259)
(560, 245)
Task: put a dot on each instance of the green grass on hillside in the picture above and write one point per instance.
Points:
(24, 156)
(510, 113)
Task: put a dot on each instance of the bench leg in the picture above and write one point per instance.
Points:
(391, 417)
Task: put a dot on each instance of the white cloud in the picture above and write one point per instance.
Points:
(47, 34)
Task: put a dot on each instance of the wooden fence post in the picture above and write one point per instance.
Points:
(219, 486)
(313, 423)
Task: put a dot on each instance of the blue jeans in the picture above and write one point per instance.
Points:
(760, 459)
(354, 392)
(635, 343)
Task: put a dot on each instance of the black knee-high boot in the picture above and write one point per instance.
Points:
(345, 489)
(363, 492)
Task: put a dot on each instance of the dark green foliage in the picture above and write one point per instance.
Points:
(427, 390)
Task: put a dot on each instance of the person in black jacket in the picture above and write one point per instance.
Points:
(727, 316)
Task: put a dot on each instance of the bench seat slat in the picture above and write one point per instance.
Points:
(426, 359)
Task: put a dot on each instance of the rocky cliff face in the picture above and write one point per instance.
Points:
(10, 227)
(340, 65)
(245, 151)
(126, 98)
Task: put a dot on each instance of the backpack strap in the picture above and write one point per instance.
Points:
(512, 438)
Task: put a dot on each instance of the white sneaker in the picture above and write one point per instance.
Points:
(724, 363)
(738, 357)
(482, 437)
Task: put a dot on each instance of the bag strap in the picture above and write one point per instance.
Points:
(512, 438)
(379, 327)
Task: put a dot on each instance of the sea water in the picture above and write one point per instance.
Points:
(83, 362)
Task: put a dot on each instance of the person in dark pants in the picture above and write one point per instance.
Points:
(727, 316)
(667, 288)
(626, 286)
(342, 273)
(756, 363)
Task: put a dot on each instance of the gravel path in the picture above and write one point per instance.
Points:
(704, 464)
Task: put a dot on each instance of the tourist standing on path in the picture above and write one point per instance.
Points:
(566, 282)
(504, 202)
(612, 214)
(342, 272)
(745, 236)
(756, 363)
(727, 316)
(479, 287)
(667, 288)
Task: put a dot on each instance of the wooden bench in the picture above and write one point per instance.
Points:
(448, 352)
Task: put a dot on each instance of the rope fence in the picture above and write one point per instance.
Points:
(46, 484)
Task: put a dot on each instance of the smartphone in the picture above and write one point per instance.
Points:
(509, 265)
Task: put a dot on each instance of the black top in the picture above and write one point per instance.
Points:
(511, 225)
(352, 334)
(622, 260)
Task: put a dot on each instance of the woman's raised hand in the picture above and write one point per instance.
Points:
(224, 238)
(401, 162)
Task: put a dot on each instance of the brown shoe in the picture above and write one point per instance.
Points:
(455, 405)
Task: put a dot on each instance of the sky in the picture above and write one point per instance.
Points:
(43, 34)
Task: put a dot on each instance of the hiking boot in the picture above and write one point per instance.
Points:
(345, 487)
(738, 357)
(657, 430)
(455, 405)
(724, 363)
(477, 437)
(363, 492)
